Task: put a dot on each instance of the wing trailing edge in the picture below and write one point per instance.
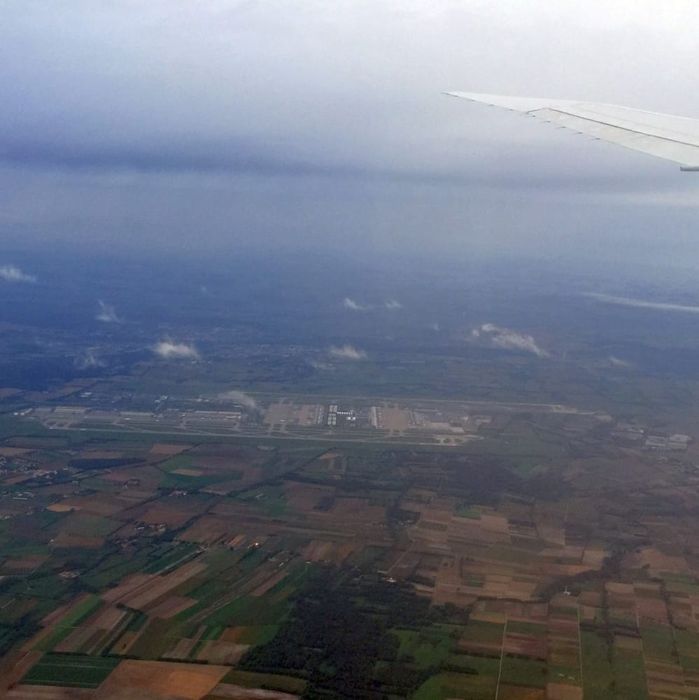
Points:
(664, 136)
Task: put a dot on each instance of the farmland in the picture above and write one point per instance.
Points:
(437, 517)
(458, 571)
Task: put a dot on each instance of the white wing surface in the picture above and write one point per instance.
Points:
(662, 135)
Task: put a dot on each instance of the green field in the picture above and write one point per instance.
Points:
(64, 627)
(525, 672)
(268, 499)
(86, 525)
(629, 674)
(688, 649)
(258, 634)
(658, 643)
(428, 647)
(481, 631)
(70, 670)
(456, 685)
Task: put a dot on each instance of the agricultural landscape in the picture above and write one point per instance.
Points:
(273, 519)
(512, 566)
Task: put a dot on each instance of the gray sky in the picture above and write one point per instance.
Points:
(229, 124)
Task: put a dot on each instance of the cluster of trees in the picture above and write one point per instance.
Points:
(339, 630)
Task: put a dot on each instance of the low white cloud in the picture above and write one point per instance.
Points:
(507, 339)
(240, 397)
(89, 360)
(175, 351)
(11, 273)
(322, 366)
(352, 305)
(642, 303)
(618, 362)
(347, 352)
(106, 313)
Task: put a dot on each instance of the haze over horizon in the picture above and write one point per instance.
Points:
(271, 126)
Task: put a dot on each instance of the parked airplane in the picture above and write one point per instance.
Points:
(662, 135)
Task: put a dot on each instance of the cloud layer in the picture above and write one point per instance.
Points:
(350, 146)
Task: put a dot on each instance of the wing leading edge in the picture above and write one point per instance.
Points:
(662, 135)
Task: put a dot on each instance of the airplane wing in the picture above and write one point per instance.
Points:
(662, 135)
